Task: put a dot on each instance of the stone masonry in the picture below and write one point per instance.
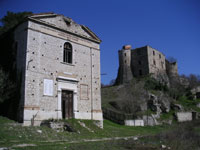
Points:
(144, 61)
(45, 76)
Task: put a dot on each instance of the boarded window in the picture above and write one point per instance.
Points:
(84, 92)
(140, 72)
(67, 53)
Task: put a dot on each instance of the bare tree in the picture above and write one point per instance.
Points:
(171, 59)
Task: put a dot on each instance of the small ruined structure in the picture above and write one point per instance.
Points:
(185, 116)
(144, 61)
(58, 66)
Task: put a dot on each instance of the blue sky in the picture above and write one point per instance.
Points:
(171, 26)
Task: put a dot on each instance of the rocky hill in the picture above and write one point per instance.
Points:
(147, 99)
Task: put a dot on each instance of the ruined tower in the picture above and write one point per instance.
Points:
(124, 71)
(172, 72)
(171, 68)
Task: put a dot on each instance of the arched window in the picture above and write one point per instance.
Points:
(67, 54)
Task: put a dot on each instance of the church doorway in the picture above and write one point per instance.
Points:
(67, 104)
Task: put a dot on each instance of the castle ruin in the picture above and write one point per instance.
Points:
(144, 61)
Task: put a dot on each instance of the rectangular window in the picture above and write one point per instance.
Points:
(154, 53)
(159, 56)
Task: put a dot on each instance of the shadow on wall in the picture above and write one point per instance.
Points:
(10, 91)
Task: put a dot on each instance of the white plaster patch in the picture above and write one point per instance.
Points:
(184, 116)
(134, 122)
(48, 87)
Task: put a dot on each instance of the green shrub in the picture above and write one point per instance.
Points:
(153, 84)
(7, 88)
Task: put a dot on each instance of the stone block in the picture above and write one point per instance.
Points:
(184, 116)
(134, 122)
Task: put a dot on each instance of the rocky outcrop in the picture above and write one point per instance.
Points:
(176, 107)
(150, 120)
(58, 125)
(160, 103)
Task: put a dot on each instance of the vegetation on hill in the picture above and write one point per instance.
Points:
(6, 87)
(146, 96)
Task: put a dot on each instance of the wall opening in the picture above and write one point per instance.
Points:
(67, 104)
(140, 72)
(67, 54)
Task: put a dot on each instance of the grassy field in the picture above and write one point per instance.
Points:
(12, 133)
(17, 137)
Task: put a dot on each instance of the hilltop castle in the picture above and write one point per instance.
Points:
(144, 61)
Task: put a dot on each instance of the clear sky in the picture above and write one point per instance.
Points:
(170, 26)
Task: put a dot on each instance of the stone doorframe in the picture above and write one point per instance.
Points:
(65, 83)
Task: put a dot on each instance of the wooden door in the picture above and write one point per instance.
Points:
(67, 104)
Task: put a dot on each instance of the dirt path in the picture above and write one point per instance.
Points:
(76, 141)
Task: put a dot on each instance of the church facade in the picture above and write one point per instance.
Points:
(58, 65)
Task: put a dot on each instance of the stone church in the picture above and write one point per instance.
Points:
(144, 61)
(58, 66)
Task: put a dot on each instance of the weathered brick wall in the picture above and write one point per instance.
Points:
(156, 61)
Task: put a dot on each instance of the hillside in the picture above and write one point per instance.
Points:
(147, 97)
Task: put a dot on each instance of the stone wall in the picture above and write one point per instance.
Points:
(139, 63)
(134, 122)
(171, 68)
(184, 116)
(156, 61)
